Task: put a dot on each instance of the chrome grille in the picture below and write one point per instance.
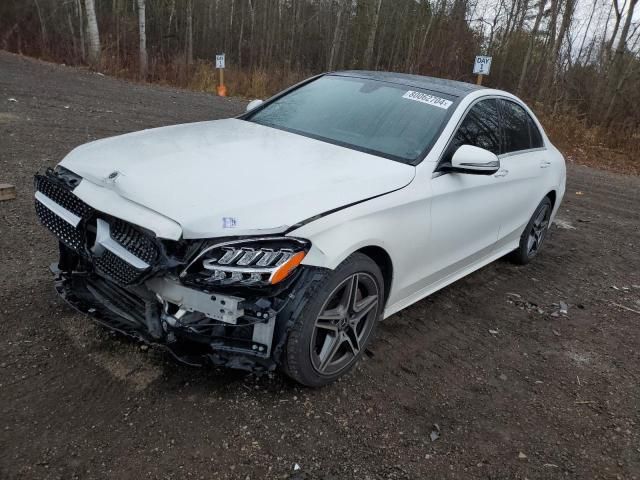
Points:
(71, 236)
(62, 196)
(116, 268)
(68, 234)
(132, 239)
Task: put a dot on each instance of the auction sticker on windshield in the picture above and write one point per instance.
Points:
(428, 99)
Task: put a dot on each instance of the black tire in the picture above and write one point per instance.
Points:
(533, 236)
(311, 356)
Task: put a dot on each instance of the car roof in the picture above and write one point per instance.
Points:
(449, 87)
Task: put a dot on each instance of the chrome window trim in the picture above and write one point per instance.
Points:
(520, 152)
(69, 217)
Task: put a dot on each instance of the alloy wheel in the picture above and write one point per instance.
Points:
(344, 323)
(538, 231)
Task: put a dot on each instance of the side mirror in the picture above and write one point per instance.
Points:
(253, 104)
(474, 160)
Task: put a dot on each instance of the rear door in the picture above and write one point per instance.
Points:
(522, 160)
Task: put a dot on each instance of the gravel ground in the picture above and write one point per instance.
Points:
(485, 379)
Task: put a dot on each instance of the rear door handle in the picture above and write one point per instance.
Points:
(545, 163)
(503, 172)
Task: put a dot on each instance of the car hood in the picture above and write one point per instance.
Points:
(233, 177)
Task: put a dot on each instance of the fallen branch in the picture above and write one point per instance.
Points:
(626, 308)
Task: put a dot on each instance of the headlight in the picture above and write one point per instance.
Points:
(250, 262)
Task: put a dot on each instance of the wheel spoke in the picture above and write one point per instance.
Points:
(327, 324)
(365, 304)
(531, 244)
(351, 338)
(540, 218)
(353, 293)
(329, 349)
(332, 314)
(365, 307)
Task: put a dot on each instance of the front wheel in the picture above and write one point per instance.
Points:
(336, 323)
(534, 234)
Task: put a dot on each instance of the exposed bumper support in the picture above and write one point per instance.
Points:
(168, 315)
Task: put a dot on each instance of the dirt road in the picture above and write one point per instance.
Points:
(516, 388)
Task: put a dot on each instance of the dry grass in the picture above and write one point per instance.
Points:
(616, 150)
(613, 149)
(243, 83)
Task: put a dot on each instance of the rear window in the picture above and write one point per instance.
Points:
(389, 120)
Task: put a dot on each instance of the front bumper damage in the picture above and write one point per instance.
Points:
(254, 341)
(142, 297)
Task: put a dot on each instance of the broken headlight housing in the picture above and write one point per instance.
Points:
(249, 262)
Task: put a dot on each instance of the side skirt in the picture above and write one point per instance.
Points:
(448, 280)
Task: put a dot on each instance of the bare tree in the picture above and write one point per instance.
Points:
(337, 38)
(43, 26)
(142, 40)
(189, 33)
(625, 29)
(532, 41)
(618, 11)
(92, 33)
(368, 53)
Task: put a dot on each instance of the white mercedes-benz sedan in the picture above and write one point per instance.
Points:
(281, 237)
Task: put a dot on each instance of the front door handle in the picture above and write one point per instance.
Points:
(503, 172)
(545, 163)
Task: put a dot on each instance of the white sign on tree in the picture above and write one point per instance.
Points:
(220, 60)
(482, 65)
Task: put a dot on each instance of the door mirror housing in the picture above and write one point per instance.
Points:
(253, 104)
(474, 160)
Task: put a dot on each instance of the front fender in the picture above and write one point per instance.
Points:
(399, 223)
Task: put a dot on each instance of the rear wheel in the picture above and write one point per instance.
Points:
(336, 323)
(534, 234)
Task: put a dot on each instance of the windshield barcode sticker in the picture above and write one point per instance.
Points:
(428, 99)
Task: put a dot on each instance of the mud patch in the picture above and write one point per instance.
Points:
(6, 117)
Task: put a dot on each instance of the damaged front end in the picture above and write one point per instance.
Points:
(224, 301)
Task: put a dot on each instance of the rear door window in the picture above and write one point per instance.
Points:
(515, 126)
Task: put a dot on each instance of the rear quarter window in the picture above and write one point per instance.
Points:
(536, 136)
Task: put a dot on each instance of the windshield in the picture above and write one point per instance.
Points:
(393, 121)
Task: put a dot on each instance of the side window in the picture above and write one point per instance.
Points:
(516, 125)
(480, 128)
(536, 137)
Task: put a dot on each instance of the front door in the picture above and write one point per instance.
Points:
(466, 208)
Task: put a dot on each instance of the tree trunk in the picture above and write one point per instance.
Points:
(425, 36)
(92, 33)
(609, 48)
(240, 38)
(189, 47)
(142, 38)
(622, 43)
(550, 47)
(337, 38)
(586, 31)
(43, 28)
(83, 53)
(532, 41)
(368, 53)
(72, 31)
